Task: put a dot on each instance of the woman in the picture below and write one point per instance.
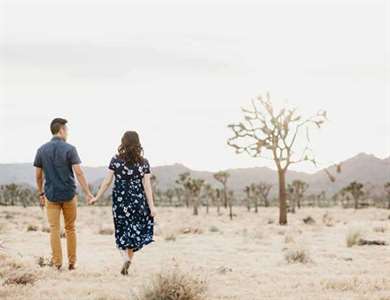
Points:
(132, 199)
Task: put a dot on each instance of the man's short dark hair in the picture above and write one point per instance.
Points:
(57, 124)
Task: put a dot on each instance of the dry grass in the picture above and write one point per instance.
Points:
(32, 227)
(297, 254)
(21, 277)
(353, 237)
(106, 231)
(243, 260)
(171, 236)
(174, 285)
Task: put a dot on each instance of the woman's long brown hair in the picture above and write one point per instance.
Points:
(130, 150)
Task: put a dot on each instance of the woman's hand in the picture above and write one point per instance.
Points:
(153, 211)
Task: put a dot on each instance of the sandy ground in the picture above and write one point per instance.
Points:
(240, 259)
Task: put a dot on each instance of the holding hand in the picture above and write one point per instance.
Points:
(90, 199)
(153, 211)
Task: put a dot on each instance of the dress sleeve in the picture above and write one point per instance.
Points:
(111, 165)
(147, 167)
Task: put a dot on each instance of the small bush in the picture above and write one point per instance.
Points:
(213, 228)
(380, 229)
(353, 237)
(174, 285)
(328, 220)
(44, 261)
(170, 237)
(195, 230)
(297, 255)
(32, 227)
(21, 277)
(309, 220)
(45, 229)
(106, 231)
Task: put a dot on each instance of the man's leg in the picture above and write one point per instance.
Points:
(70, 213)
(53, 217)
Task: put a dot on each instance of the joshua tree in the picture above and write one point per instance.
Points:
(230, 196)
(276, 132)
(223, 177)
(356, 190)
(210, 193)
(194, 186)
(255, 195)
(218, 199)
(296, 191)
(248, 194)
(170, 194)
(264, 190)
(387, 190)
(181, 182)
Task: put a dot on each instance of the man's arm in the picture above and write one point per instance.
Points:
(82, 180)
(39, 182)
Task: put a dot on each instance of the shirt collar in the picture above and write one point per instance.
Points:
(57, 138)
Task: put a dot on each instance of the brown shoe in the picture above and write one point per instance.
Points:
(125, 267)
(72, 267)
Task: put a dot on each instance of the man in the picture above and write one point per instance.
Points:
(57, 162)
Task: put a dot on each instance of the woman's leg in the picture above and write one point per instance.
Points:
(130, 253)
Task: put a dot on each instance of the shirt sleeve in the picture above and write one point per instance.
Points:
(73, 157)
(111, 165)
(38, 160)
(147, 169)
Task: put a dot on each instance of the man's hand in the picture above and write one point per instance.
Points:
(42, 201)
(90, 199)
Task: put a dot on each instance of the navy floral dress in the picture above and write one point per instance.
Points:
(131, 213)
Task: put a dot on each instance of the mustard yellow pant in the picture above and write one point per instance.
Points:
(69, 210)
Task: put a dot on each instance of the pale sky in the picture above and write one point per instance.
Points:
(179, 71)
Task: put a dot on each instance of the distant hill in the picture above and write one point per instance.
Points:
(363, 167)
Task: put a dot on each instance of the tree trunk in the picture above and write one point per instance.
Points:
(225, 196)
(195, 206)
(356, 203)
(282, 198)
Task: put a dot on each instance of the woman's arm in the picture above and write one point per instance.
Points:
(148, 192)
(105, 184)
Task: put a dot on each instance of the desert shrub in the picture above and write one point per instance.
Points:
(213, 228)
(44, 261)
(21, 277)
(353, 236)
(297, 255)
(45, 229)
(196, 230)
(174, 285)
(308, 220)
(380, 228)
(106, 231)
(328, 220)
(32, 227)
(170, 237)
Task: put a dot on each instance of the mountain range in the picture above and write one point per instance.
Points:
(365, 168)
